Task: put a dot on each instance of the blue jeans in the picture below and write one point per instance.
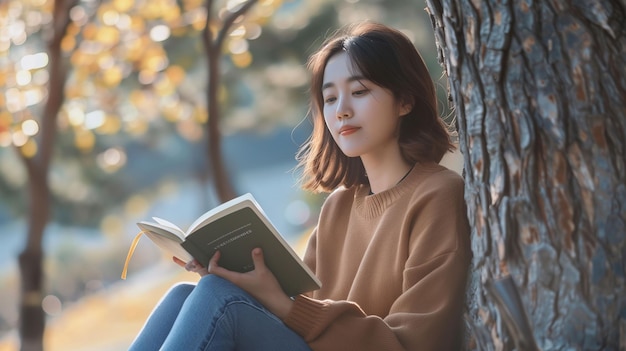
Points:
(214, 315)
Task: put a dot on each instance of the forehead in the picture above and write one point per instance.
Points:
(339, 68)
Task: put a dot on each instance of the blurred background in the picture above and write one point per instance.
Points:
(129, 140)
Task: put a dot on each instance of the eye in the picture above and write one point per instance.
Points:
(329, 99)
(360, 92)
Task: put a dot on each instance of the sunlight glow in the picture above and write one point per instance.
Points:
(297, 212)
(253, 31)
(17, 32)
(19, 138)
(112, 226)
(5, 139)
(242, 60)
(124, 22)
(34, 61)
(238, 46)
(94, 119)
(23, 77)
(33, 96)
(107, 35)
(238, 32)
(34, 18)
(189, 130)
(123, 5)
(112, 76)
(52, 305)
(136, 205)
(110, 18)
(75, 115)
(29, 149)
(14, 100)
(112, 124)
(234, 5)
(84, 140)
(175, 74)
(146, 77)
(155, 62)
(160, 33)
(30, 127)
(111, 160)
(78, 15)
(41, 77)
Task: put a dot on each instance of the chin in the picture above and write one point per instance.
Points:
(350, 152)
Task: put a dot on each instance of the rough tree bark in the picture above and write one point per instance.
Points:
(213, 50)
(539, 89)
(32, 317)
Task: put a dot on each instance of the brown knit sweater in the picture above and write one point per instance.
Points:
(393, 266)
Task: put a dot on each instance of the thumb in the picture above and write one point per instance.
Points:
(257, 259)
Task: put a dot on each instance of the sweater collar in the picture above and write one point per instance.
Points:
(370, 206)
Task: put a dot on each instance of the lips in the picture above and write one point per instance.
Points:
(347, 130)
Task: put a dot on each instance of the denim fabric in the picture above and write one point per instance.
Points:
(214, 315)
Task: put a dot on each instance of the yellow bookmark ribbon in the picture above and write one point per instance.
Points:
(131, 251)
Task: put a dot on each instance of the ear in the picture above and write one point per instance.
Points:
(405, 107)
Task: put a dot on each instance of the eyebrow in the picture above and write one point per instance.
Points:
(349, 80)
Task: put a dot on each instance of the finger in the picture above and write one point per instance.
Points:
(178, 261)
(213, 262)
(193, 265)
(258, 259)
(216, 269)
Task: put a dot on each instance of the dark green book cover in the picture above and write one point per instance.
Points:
(237, 233)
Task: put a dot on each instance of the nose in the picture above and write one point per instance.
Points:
(344, 108)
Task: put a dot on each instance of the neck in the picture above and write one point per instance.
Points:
(385, 173)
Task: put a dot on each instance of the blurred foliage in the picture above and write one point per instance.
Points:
(130, 126)
(134, 93)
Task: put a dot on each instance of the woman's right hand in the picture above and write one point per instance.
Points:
(192, 266)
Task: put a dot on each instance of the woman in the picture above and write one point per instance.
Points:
(392, 243)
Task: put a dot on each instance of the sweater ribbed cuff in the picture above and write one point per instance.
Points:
(305, 316)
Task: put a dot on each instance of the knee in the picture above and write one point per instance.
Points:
(180, 290)
(214, 282)
(219, 286)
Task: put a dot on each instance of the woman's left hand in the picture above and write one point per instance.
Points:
(260, 283)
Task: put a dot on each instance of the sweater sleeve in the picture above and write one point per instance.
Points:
(428, 313)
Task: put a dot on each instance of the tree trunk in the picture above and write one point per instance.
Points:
(213, 50)
(540, 94)
(32, 321)
(32, 317)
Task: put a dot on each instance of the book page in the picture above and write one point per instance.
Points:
(220, 211)
(168, 224)
(167, 238)
(172, 233)
(169, 246)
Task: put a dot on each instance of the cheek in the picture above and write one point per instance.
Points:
(327, 119)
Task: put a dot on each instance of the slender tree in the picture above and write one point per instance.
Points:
(539, 89)
(213, 46)
(32, 322)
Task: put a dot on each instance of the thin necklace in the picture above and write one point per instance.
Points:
(407, 173)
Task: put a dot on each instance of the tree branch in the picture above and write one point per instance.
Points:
(228, 22)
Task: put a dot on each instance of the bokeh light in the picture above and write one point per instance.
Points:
(34, 61)
(160, 33)
(136, 205)
(30, 127)
(112, 226)
(298, 213)
(52, 305)
(111, 159)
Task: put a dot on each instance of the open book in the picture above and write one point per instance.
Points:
(234, 228)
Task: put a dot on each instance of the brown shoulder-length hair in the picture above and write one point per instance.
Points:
(386, 57)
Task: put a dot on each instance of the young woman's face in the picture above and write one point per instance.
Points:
(361, 116)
